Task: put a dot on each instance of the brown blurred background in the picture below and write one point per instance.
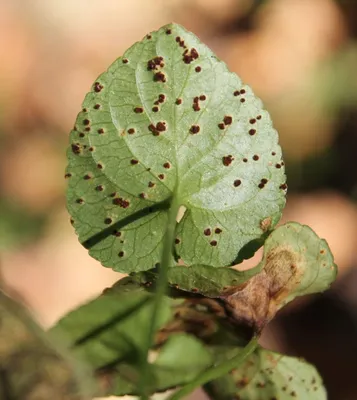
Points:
(299, 56)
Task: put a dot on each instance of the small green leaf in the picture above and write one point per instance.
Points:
(31, 366)
(266, 375)
(168, 120)
(112, 327)
(180, 360)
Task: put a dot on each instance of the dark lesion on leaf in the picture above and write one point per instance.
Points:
(256, 301)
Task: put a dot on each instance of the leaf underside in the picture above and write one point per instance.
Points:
(169, 120)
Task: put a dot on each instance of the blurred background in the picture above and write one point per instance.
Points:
(299, 56)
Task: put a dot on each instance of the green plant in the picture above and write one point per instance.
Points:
(167, 126)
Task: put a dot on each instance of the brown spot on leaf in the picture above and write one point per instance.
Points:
(227, 120)
(80, 201)
(207, 232)
(133, 161)
(119, 201)
(155, 109)
(151, 184)
(131, 131)
(159, 77)
(178, 101)
(97, 87)
(108, 221)
(190, 55)
(161, 127)
(221, 125)
(255, 157)
(76, 148)
(121, 254)
(168, 31)
(198, 69)
(167, 165)
(125, 60)
(99, 188)
(237, 183)
(161, 176)
(194, 129)
(227, 160)
(138, 110)
(252, 132)
(213, 243)
(100, 131)
(218, 231)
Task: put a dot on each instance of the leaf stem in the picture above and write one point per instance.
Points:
(217, 371)
(160, 290)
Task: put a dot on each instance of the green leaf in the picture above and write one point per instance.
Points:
(203, 279)
(266, 375)
(112, 327)
(180, 360)
(296, 262)
(184, 127)
(31, 366)
(295, 257)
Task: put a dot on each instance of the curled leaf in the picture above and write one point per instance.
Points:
(296, 262)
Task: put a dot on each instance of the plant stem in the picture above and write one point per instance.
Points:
(216, 371)
(160, 290)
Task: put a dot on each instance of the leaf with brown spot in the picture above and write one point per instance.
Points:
(292, 265)
(146, 130)
(267, 375)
